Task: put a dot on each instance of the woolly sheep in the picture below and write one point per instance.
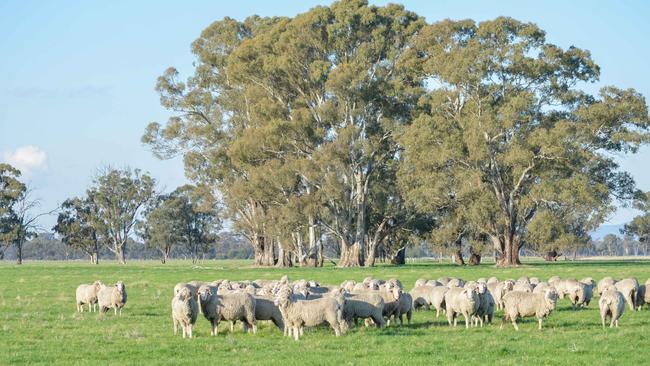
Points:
(492, 280)
(590, 284)
(420, 282)
(553, 280)
(391, 295)
(348, 285)
(461, 301)
(422, 296)
(524, 286)
(87, 294)
(604, 282)
(485, 312)
(265, 309)
(482, 280)
(500, 290)
(184, 311)
(455, 282)
(612, 304)
(405, 308)
(534, 281)
(629, 288)
(231, 307)
(444, 280)
(365, 305)
(438, 299)
(181, 285)
(433, 283)
(298, 314)
(519, 304)
(541, 288)
(112, 297)
(572, 289)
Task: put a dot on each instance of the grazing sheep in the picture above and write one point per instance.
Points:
(230, 306)
(629, 288)
(87, 294)
(405, 307)
(605, 282)
(365, 305)
(265, 309)
(612, 304)
(433, 283)
(492, 280)
(184, 311)
(642, 296)
(422, 296)
(590, 284)
(461, 301)
(573, 290)
(485, 312)
(112, 297)
(500, 290)
(309, 313)
(541, 288)
(391, 295)
(519, 304)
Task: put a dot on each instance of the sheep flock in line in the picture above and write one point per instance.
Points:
(293, 306)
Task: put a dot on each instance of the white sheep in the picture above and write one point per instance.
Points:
(590, 284)
(523, 286)
(438, 299)
(433, 283)
(612, 304)
(500, 290)
(643, 295)
(112, 297)
(575, 291)
(605, 282)
(184, 311)
(298, 314)
(420, 282)
(492, 280)
(87, 294)
(366, 305)
(629, 288)
(230, 306)
(519, 304)
(461, 301)
(422, 296)
(485, 312)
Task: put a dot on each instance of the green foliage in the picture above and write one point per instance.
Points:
(11, 191)
(78, 225)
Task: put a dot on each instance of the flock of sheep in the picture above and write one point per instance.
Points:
(292, 306)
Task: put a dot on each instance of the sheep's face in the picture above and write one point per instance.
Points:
(481, 288)
(508, 285)
(120, 286)
(282, 299)
(98, 285)
(468, 293)
(204, 293)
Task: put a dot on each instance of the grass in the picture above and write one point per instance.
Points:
(39, 325)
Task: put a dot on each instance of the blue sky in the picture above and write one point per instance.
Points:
(77, 77)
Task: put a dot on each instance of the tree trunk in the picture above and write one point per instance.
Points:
(509, 250)
(321, 251)
(263, 256)
(351, 255)
(399, 258)
(19, 252)
(312, 259)
(94, 258)
(284, 257)
(458, 257)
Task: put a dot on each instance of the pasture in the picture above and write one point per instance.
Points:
(39, 325)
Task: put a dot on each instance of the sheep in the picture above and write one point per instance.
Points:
(112, 297)
(519, 304)
(541, 288)
(438, 299)
(184, 311)
(612, 304)
(230, 306)
(422, 296)
(485, 312)
(455, 282)
(553, 279)
(572, 289)
(365, 305)
(492, 280)
(629, 288)
(348, 285)
(524, 286)
(196, 284)
(642, 296)
(590, 284)
(420, 282)
(470, 284)
(87, 294)
(433, 283)
(534, 281)
(523, 279)
(482, 280)
(604, 282)
(500, 290)
(405, 307)
(182, 285)
(298, 314)
(265, 309)
(461, 301)
(444, 280)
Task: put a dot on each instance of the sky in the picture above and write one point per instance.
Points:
(77, 77)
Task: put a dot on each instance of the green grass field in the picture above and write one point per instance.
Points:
(39, 325)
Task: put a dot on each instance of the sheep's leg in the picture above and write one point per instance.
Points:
(190, 329)
(184, 331)
(115, 310)
(540, 323)
(295, 333)
(437, 312)
(616, 323)
(89, 307)
(466, 316)
(514, 323)
(175, 326)
(232, 326)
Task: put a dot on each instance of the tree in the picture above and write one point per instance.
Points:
(118, 196)
(639, 227)
(12, 192)
(186, 217)
(78, 226)
(507, 132)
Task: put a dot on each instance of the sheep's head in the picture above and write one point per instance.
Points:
(551, 295)
(120, 286)
(469, 294)
(284, 279)
(313, 283)
(283, 296)
(204, 293)
(481, 288)
(98, 285)
(302, 290)
(508, 285)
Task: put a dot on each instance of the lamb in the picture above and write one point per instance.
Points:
(112, 297)
(629, 288)
(184, 311)
(461, 301)
(87, 294)
(298, 314)
(519, 304)
(231, 306)
(500, 290)
(605, 282)
(612, 304)
(365, 305)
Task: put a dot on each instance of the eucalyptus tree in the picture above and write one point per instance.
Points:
(639, 227)
(509, 131)
(78, 226)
